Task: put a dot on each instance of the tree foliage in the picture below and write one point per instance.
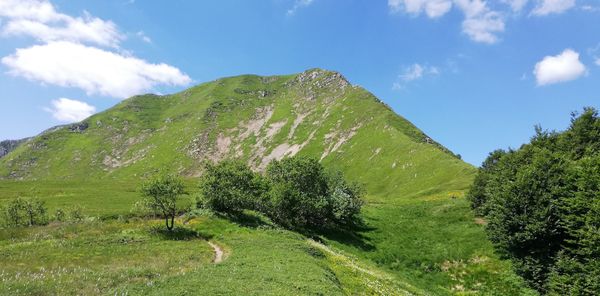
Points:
(295, 192)
(25, 212)
(162, 193)
(542, 203)
(230, 186)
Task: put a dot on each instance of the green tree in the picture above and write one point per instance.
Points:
(346, 199)
(542, 203)
(299, 192)
(35, 211)
(15, 212)
(577, 270)
(477, 195)
(26, 212)
(162, 193)
(230, 187)
(303, 195)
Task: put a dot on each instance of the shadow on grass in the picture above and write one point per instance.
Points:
(351, 235)
(250, 219)
(179, 233)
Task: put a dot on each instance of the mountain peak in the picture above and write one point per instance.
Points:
(322, 78)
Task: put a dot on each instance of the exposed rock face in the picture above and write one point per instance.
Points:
(10, 145)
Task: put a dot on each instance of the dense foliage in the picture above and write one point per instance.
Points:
(303, 194)
(161, 194)
(542, 204)
(230, 186)
(295, 192)
(25, 212)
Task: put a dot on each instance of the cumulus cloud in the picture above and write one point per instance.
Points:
(560, 68)
(67, 110)
(545, 7)
(92, 69)
(414, 72)
(481, 24)
(483, 20)
(297, 5)
(433, 8)
(40, 20)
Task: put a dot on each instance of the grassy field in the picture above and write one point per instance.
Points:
(422, 245)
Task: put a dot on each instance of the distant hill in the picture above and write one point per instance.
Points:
(317, 113)
(7, 146)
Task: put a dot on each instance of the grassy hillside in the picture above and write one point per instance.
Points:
(420, 236)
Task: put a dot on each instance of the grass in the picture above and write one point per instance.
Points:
(93, 258)
(434, 243)
(427, 245)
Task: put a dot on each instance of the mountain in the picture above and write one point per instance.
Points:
(317, 113)
(9, 145)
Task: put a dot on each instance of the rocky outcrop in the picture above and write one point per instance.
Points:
(10, 145)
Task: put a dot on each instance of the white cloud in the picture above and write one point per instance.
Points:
(297, 5)
(414, 72)
(433, 8)
(94, 70)
(563, 67)
(545, 7)
(516, 5)
(40, 20)
(28, 9)
(481, 24)
(598, 61)
(144, 37)
(68, 110)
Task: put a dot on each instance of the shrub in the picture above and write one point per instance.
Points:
(36, 212)
(304, 195)
(346, 199)
(295, 192)
(230, 187)
(25, 212)
(76, 213)
(299, 193)
(60, 215)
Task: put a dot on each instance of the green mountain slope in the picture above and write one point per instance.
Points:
(255, 118)
(419, 227)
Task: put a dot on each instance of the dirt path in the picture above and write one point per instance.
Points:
(218, 252)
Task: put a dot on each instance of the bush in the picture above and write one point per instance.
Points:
(295, 192)
(346, 199)
(25, 212)
(60, 215)
(304, 195)
(230, 187)
(76, 213)
(299, 194)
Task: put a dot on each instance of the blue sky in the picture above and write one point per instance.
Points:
(474, 75)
